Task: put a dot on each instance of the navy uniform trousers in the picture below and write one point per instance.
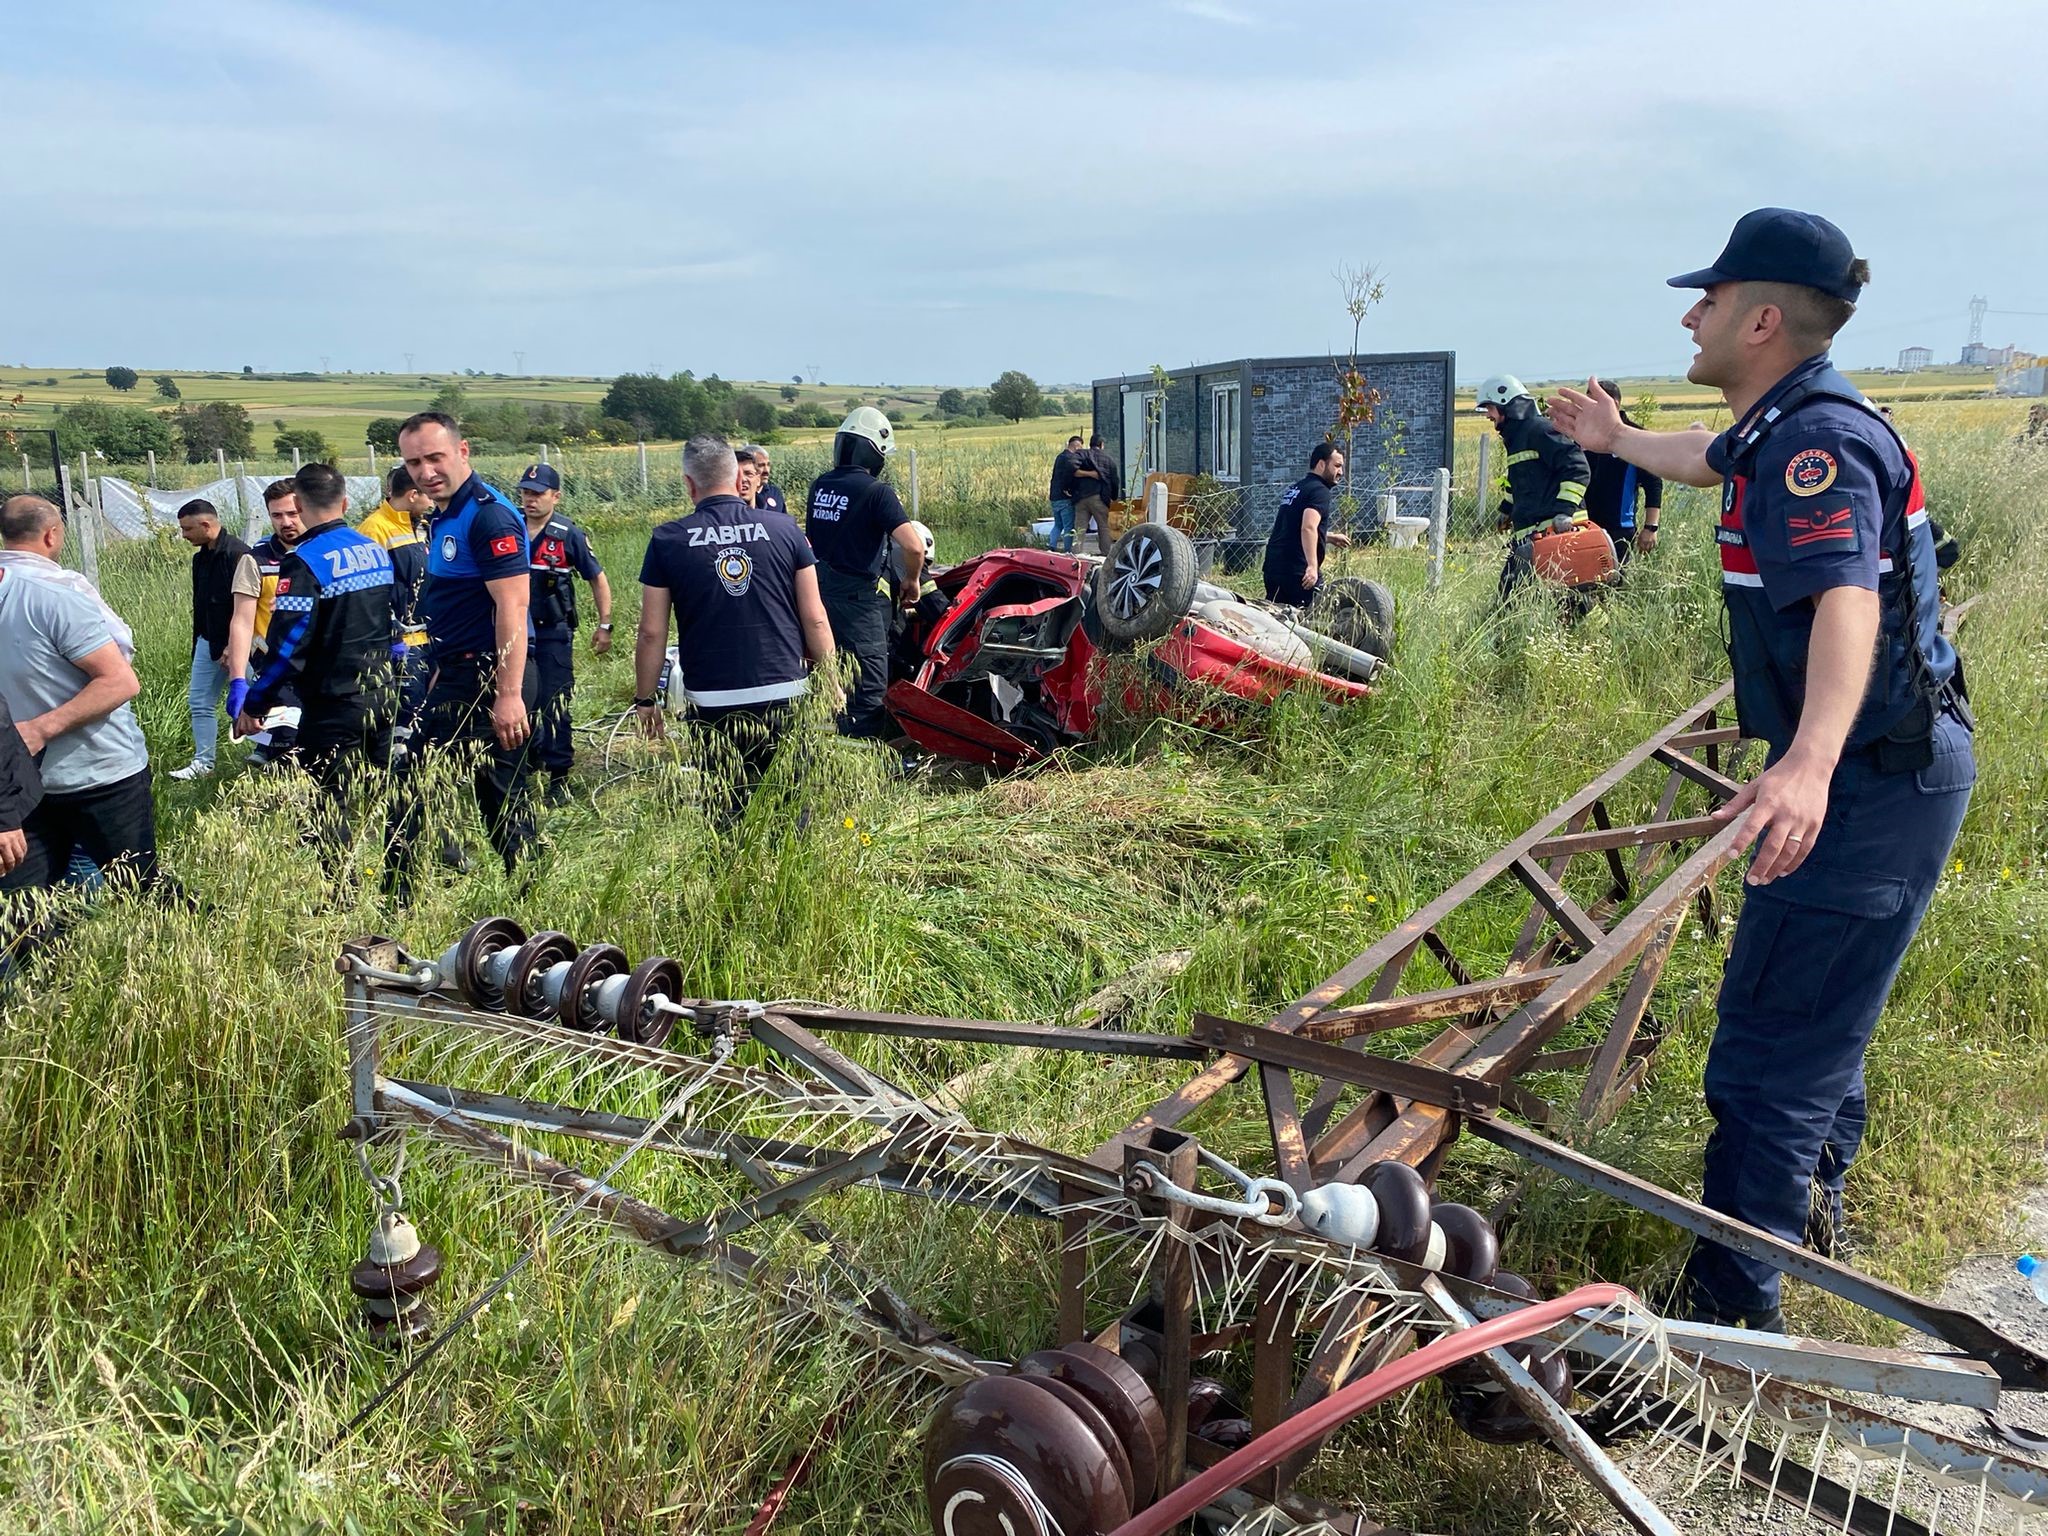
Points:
(1813, 960)
(860, 625)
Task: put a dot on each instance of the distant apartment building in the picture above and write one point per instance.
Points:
(1913, 359)
(1978, 355)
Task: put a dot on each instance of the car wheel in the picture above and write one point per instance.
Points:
(1146, 583)
(1358, 613)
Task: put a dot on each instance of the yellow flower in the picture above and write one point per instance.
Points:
(1344, 906)
(2005, 873)
(848, 823)
(866, 841)
(1372, 899)
(1959, 866)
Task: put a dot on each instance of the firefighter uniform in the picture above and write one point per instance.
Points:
(1821, 493)
(853, 516)
(1547, 480)
(560, 553)
(332, 639)
(479, 537)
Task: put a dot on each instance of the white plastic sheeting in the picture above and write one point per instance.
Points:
(130, 511)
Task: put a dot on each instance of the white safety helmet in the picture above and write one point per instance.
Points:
(870, 426)
(895, 556)
(1499, 390)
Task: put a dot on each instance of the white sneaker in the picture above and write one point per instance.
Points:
(193, 770)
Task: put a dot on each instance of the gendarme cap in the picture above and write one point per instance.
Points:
(1782, 245)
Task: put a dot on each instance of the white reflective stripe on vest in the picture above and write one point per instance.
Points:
(767, 693)
(1741, 579)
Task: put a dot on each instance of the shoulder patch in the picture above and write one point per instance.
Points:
(1826, 527)
(505, 544)
(1810, 471)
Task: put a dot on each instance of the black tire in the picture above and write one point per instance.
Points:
(1146, 584)
(1358, 613)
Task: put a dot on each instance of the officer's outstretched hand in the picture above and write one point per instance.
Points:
(13, 849)
(600, 641)
(1589, 418)
(245, 724)
(652, 726)
(508, 721)
(1786, 804)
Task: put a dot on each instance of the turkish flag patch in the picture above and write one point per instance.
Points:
(508, 544)
(284, 583)
(1826, 527)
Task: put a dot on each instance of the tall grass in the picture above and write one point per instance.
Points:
(176, 1215)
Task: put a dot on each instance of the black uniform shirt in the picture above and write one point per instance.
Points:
(852, 515)
(769, 498)
(730, 573)
(1284, 563)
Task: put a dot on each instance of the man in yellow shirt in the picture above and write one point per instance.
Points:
(397, 525)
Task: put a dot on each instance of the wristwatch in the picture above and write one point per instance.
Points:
(606, 624)
(644, 703)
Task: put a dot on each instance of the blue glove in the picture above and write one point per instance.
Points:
(398, 652)
(238, 695)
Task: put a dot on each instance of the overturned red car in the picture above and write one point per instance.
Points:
(996, 666)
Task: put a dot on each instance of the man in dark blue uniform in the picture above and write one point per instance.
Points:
(560, 553)
(334, 637)
(854, 516)
(1300, 536)
(742, 585)
(481, 693)
(767, 495)
(1828, 571)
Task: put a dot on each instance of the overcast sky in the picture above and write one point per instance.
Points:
(911, 193)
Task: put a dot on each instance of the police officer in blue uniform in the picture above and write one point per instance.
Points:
(480, 689)
(742, 585)
(560, 552)
(854, 516)
(334, 637)
(1828, 571)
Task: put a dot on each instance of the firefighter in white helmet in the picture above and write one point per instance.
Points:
(853, 518)
(1547, 471)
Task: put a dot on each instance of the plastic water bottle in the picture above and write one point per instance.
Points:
(2036, 1272)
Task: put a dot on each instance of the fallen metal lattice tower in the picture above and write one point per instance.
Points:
(1339, 1249)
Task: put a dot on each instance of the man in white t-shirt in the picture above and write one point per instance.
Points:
(68, 685)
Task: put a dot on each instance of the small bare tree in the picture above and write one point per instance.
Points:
(1358, 402)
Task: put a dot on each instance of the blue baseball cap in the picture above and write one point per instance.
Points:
(1782, 245)
(541, 477)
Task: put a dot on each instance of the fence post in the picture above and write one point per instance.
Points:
(643, 468)
(1439, 520)
(249, 528)
(295, 460)
(1485, 486)
(913, 486)
(220, 457)
(1155, 502)
(27, 485)
(543, 453)
(152, 469)
(373, 463)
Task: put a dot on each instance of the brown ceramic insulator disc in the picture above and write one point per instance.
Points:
(486, 936)
(411, 1327)
(1120, 1396)
(407, 1279)
(530, 962)
(1231, 1434)
(586, 971)
(1509, 1283)
(1404, 1210)
(1471, 1251)
(639, 1022)
(1006, 1458)
(1209, 1399)
(1098, 1426)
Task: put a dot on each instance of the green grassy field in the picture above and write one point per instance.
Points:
(176, 1217)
